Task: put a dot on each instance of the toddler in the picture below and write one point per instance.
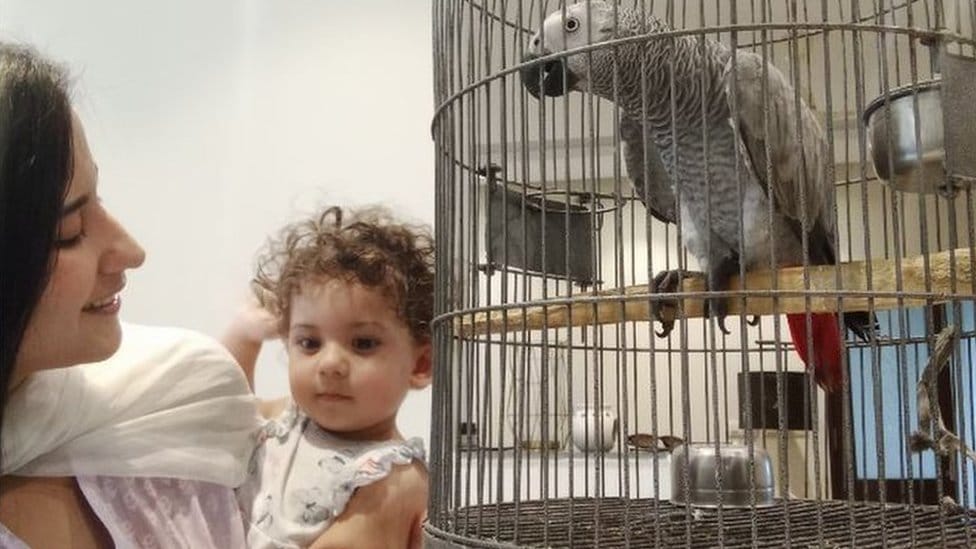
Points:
(352, 293)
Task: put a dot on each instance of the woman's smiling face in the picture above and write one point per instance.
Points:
(76, 319)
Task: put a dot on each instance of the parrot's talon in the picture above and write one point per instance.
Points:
(753, 320)
(717, 307)
(721, 326)
(667, 326)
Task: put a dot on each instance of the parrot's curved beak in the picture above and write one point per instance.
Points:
(549, 78)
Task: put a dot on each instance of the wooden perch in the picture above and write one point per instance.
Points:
(632, 304)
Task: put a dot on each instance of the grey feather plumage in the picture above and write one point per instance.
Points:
(795, 173)
(646, 171)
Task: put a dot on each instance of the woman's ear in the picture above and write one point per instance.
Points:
(423, 368)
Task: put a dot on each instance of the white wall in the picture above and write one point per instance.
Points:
(215, 122)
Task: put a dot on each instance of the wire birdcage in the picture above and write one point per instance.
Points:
(571, 172)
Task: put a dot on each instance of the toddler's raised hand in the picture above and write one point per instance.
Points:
(253, 322)
(250, 327)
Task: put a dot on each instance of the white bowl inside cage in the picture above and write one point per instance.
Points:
(744, 481)
(594, 429)
(902, 162)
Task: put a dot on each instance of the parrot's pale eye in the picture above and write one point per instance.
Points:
(572, 24)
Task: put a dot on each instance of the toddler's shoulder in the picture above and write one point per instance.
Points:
(396, 472)
(408, 479)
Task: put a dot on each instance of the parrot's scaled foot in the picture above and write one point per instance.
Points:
(666, 282)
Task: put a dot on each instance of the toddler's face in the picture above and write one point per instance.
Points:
(352, 359)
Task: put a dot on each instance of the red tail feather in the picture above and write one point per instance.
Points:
(825, 358)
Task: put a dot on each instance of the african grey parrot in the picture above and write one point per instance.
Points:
(711, 208)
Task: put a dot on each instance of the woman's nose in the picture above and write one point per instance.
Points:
(122, 251)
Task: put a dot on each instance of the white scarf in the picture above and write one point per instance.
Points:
(170, 403)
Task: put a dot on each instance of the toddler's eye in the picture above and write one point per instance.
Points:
(365, 344)
(307, 344)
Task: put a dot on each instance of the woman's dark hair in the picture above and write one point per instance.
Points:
(35, 168)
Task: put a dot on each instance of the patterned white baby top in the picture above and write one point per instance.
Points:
(301, 477)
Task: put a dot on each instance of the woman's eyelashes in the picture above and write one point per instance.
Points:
(70, 242)
(72, 224)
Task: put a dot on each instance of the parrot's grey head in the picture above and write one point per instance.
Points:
(582, 24)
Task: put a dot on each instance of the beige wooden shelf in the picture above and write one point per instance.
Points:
(632, 304)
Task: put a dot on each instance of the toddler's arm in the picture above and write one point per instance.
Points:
(248, 330)
(387, 513)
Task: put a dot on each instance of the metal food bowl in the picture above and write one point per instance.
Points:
(736, 489)
(897, 159)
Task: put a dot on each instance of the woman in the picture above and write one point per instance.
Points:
(85, 448)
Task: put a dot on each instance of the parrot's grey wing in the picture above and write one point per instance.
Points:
(797, 151)
(642, 159)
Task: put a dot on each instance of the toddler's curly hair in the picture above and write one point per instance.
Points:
(365, 246)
